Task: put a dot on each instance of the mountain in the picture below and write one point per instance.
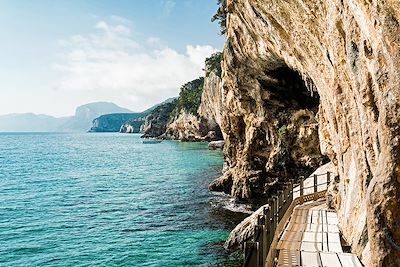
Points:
(29, 122)
(84, 116)
(80, 122)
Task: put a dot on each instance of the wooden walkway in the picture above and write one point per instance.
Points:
(311, 238)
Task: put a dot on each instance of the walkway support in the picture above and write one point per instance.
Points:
(262, 248)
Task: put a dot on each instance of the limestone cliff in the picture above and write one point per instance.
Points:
(199, 108)
(210, 109)
(297, 68)
(156, 122)
(113, 122)
(196, 114)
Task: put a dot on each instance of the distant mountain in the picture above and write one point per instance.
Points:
(29, 122)
(80, 122)
(122, 122)
(84, 116)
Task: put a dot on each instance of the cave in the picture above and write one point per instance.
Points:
(289, 89)
(293, 102)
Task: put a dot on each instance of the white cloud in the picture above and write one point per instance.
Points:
(168, 7)
(110, 61)
(198, 53)
(122, 20)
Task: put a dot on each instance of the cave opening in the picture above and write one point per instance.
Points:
(288, 88)
(293, 102)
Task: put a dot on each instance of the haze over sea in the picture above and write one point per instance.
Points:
(109, 200)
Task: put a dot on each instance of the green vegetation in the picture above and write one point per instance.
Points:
(282, 131)
(220, 16)
(189, 97)
(213, 64)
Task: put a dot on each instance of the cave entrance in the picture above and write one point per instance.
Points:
(289, 89)
(292, 102)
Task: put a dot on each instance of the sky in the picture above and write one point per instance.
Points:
(59, 54)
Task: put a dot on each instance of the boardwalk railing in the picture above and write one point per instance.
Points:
(271, 222)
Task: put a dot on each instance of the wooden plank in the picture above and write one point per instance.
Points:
(349, 260)
(335, 247)
(332, 228)
(288, 245)
(315, 228)
(333, 238)
(311, 246)
(330, 259)
(289, 258)
(332, 220)
(313, 237)
(292, 236)
(301, 219)
(299, 227)
(310, 259)
(331, 214)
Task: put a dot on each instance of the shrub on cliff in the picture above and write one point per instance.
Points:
(189, 97)
(220, 16)
(213, 64)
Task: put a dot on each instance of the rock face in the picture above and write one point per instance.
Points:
(185, 127)
(199, 120)
(113, 122)
(210, 109)
(196, 114)
(156, 122)
(347, 54)
(213, 145)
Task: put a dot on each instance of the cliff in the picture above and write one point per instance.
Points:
(85, 114)
(309, 79)
(196, 113)
(156, 122)
(210, 109)
(80, 122)
(113, 122)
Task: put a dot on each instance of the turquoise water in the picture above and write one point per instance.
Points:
(108, 200)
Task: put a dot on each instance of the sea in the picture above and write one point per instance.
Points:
(109, 200)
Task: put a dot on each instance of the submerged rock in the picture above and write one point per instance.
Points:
(216, 144)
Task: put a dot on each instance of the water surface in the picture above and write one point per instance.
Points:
(109, 200)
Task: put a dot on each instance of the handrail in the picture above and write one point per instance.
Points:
(270, 222)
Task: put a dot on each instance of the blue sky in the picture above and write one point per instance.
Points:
(58, 54)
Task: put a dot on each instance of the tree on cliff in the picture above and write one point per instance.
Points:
(189, 97)
(220, 16)
(213, 64)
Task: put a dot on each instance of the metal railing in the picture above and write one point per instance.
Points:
(258, 248)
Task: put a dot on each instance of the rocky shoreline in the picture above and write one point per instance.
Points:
(309, 82)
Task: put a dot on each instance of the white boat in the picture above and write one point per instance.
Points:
(151, 141)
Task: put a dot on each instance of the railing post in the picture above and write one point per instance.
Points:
(267, 214)
(260, 240)
(257, 238)
(301, 186)
(328, 179)
(280, 204)
(315, 183)
(290, 196)
(285, 199)
(251, 254)
(274, 215)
